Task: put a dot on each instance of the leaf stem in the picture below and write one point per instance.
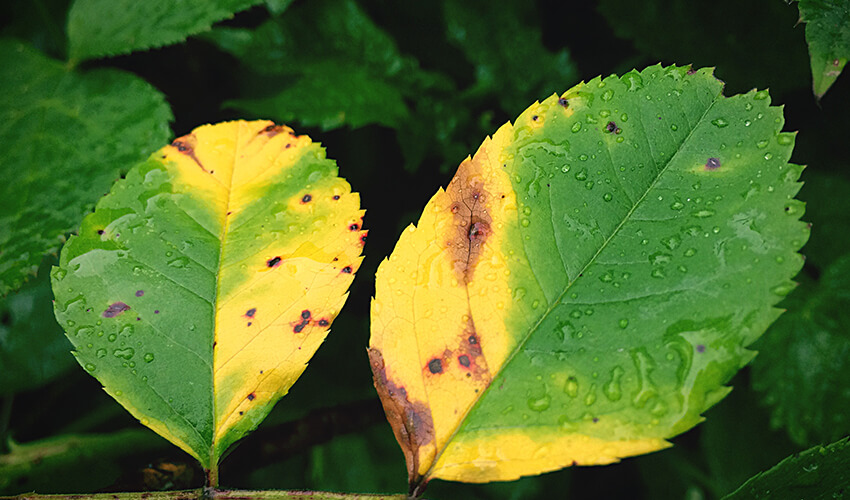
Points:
(212, 476)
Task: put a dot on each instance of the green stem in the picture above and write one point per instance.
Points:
(216, 494)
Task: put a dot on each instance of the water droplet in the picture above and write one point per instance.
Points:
(582, 157)
(589, 184)
(785, 139)
(148, 357)
(590, 398)
(672, 242)
(719, 122)
(101, 353)
(575, 314)
(607, 277)
(690, 252)
(525, 222)
(571, 387)
(526, 210)
(112, 337)
(701, 214)
(634, 80)
(659, 258)
(125, 353)
(768, 156)
(760, 95)
(576, 127)
(623, 323)
(607, 197)
(657, 273)
(747, 123)
(645, 365)
(581, 175)
(539, 404)
(612, 388)
(565, 169)
(677, 205)
(90, 367)
(607, 95)
(762, 144)
(674, 127)
(782, 290)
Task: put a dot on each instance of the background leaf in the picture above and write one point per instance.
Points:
(98, 28)
(201, 286)
(57, 133)
(589, 280)
(336, 66)
(33, 350)
(819, 472)
(828, 36)
(805, 360)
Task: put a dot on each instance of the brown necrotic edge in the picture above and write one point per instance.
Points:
(410, 420)
(186, 145)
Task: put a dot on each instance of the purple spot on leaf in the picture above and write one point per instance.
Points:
(712, 163)
(139, 293)
(700, 348)
(115, 309)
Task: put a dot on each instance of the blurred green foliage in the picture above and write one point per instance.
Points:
(400, 93)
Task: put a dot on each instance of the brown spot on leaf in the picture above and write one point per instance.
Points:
(250, 312)
(470, 209)
(273, 130)
(251, 396)
(411, 421)
(463, 359)
(435, 365)
(186, 145)
(115, 309)
(323, 322)
(307, 198)
(712, 163)
(273, 262)
(564, 102)
(336, 197)
(353, 227)
(346, 269)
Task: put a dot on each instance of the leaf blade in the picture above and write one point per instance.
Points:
(193, 277)
(533, 301)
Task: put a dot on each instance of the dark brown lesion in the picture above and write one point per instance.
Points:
(411, 421)
(469, 357)
(470, 211)
(186, 145)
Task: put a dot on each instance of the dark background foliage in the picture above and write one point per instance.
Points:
(399, 94)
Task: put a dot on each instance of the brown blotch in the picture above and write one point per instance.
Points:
(463, 359)
(250, 312)
(273, 130)
(251, 396)
(346, 269)
(307, 198)
(115, 309)
(186, 145)
(470, 211)
(564, 102)
(435, 365)
(411, 421)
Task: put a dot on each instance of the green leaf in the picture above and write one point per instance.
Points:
(828, 36)
(505, 46)
(330, 66)
(60, 153)
(589, 280)
(33, 350)
(822, 472)
(752, 44)
(201, 286)
(98, 28)
(804, 364)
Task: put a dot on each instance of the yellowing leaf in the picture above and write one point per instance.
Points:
(204, 282)
(589, 280)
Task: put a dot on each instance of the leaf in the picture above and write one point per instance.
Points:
(805, 363)
(33, 350)
(828, 36)
(58, 151)
(340, 68)
(819, 472)
(510, 61)
(589, 280)
(98, 28)
(757, 46)
(203, 283)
